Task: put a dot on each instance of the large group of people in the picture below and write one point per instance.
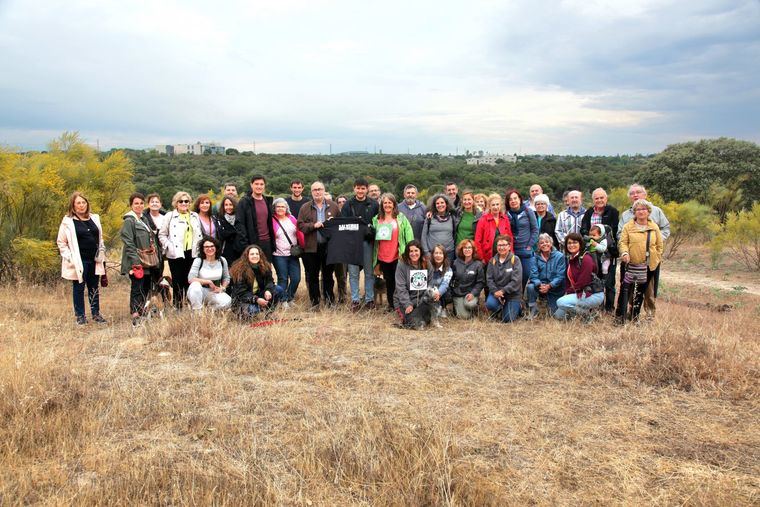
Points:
(461, 255)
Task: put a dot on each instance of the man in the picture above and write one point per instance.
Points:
(414, 210)
(311, 222)
(373, 191)
(360, 205)
(534, 191)
(569, 220)
(296, 199)
(340, 201)
(228, 190)
(604, 214)
(253, 218)
(636, 192)
(452, 192)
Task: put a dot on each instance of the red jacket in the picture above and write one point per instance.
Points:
(486, 232)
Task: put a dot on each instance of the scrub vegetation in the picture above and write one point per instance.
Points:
(339, 408)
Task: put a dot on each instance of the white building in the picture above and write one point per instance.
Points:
(491, 159)
(192, 149)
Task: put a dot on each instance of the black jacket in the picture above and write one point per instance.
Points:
(610, 217)
(366, 210)
(548, 223)
(227, 235)
(245, 222)
(242, 293)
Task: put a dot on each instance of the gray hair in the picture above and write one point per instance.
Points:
(280, 200)
(637, 185)
(410, 186)
(541, 198)
(544, 236)
(642, 202)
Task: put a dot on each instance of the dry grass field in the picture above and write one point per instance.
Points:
(334, 408)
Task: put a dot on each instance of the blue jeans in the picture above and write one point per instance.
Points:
(526, 260)
(92, 281)
(288, 274)
(551, 297)
(248, 311)
(510, 310)
(369, 277)
(570, 305)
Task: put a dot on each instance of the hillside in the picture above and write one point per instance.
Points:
(331, 409)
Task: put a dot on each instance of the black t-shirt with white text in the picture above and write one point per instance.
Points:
(345, 240)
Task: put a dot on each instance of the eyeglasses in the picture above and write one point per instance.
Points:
(208, 247)
(183, 201)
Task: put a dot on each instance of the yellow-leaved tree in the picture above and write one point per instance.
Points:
(34, 192)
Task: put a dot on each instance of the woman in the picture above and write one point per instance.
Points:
(140, 258)
(83, 255)
(547, 276)
(441, 279)
(583, 291)
(155, 215)
(208, 278)
(227, 233)
(492, 224)
(440, 227)
(504, 279)
(522, 220)
(640, 250)
(286, 235)
(545, 220)
(209, 222)
(481, 202)
(468, 217)
(393, 232)
(180, 237)
(253, 289)
(468, 279)
(412, 276)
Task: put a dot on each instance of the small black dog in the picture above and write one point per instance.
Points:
(424, 313)
(380, 290)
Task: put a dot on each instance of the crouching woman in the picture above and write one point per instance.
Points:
(209, 278)
(504, 279)
(413, 277)
(253, 289)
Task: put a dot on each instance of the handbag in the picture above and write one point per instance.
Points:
(295, 250)
(104, 276)
(148, 257)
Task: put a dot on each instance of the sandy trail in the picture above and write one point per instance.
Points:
(685, 277)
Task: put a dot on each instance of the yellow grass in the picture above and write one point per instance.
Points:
(337, 408)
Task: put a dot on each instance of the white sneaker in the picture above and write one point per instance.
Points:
(443, 314)
(285, 305)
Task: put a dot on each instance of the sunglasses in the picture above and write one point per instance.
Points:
(183, 201)
(208, 247)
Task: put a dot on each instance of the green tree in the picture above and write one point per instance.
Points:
(688, 170)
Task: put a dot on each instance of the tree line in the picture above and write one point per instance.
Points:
(708, 188)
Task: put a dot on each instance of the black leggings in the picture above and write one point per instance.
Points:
(180, 268)
(389, 275)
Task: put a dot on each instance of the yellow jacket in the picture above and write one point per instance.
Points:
(633, 241)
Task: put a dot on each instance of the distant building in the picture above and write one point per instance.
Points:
(165, 149)
(192, 149)
(354, 153)
(491, 159)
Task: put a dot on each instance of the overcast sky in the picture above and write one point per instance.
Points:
(526, 76)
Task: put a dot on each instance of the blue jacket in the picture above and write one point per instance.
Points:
(552, 271)
(526, 234)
